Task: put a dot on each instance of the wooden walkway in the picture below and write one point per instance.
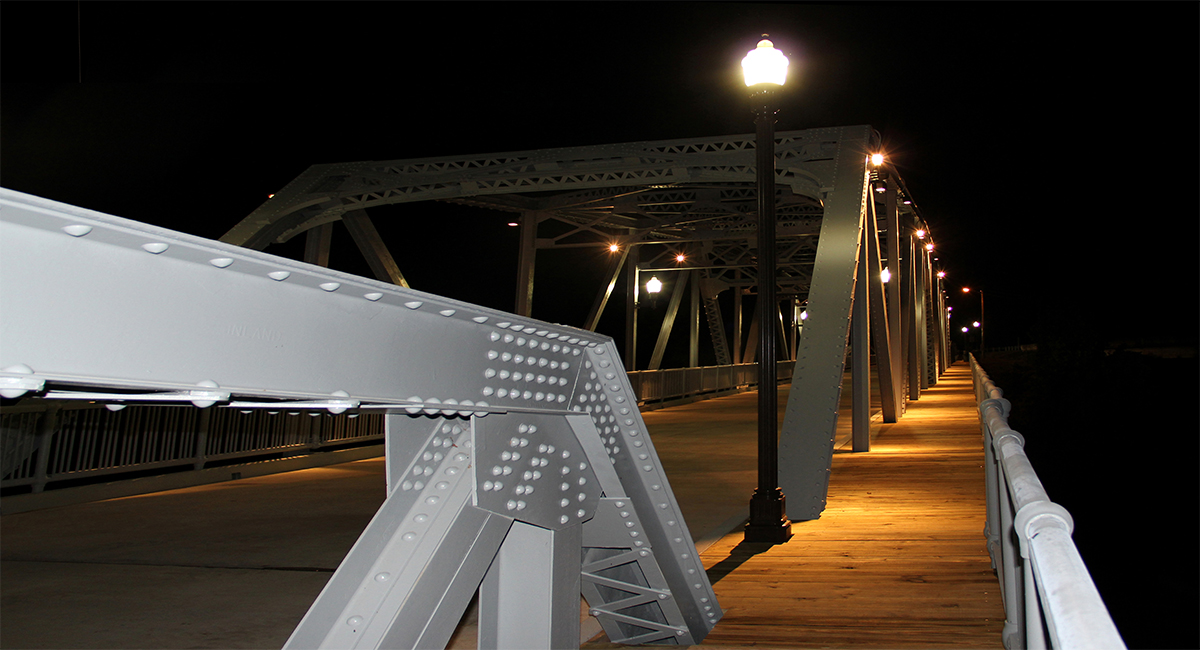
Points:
(898, 559)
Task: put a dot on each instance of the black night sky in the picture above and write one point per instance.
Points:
(1052, 147)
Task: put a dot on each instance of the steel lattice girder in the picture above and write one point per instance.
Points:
(673, 191)
(479, 403)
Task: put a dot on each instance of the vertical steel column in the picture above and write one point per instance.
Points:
(768, 509)
(861, 356)
(317, 243)
(525, 262)
(795, 309)
(809, 426)
(737, 324)
(47, 425)
(916, 365)
(529, 597)
(895, 323)
(921, 304)
(614, 270)
(631, 305)
(694, 321)
(371, 245)
(880, 324)
(664, 333)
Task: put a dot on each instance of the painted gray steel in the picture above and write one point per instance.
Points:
(97, 304)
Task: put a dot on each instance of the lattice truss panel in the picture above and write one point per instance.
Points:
(699, 191)
(518, 463)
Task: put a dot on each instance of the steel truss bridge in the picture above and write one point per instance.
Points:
(518, 462)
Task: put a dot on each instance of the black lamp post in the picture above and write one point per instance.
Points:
(765, 69)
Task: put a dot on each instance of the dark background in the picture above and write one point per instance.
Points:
(1052, 147)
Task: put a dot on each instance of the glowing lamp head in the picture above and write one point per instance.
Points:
(975, 324)
(612, 248)
(513, 224)
(885, 275)
(654, 285)
(966, 329)
(920, 233)
(941, 274)
(804, 315)
(876, 159)
(680, 257)
(929, 247)
(765, 65)
(966, 289)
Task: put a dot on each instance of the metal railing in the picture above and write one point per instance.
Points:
(1049, 596)
(674, 383)
(45, 441)
(49, 441)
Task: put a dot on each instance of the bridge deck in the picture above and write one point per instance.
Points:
(897, 560)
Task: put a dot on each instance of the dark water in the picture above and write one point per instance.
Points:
(1114, 437)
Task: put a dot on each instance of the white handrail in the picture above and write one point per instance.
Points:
(1048, 592)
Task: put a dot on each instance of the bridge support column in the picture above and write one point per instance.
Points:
(372, 247)
(317, 243)
(806, 440)
(525, 262)
(694, 321)
(881, 326)
(896, 324)
(614, 270)
(664, 333)
(631, 305)
(861, 355)
(529, 597)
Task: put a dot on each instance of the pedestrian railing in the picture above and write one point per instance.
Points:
(63, 442)
(674, 383)
(1049, 597)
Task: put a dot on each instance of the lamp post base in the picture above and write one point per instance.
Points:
(768, 519)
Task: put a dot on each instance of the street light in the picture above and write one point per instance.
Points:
(765, 70)
(654, 285)
(981, 315)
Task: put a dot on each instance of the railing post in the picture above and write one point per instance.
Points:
(202, 425)
(47, 424)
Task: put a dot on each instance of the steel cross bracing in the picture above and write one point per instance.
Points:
(518, 464)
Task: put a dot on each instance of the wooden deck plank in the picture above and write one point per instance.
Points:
(897, 560)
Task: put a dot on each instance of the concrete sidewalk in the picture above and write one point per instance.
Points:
(237, 564)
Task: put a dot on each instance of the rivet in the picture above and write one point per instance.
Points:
(373, 296)
(480, 319)
(413, 304)
(77, 230)
(279, 276)
(155, 247)
(447, 312)
(382, 577)
(330, 286)
(221, 262)
(354, 620)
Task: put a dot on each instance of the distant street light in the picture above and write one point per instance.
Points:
(765, 70)
(982, 318)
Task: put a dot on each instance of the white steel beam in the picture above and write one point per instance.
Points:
(492, 418)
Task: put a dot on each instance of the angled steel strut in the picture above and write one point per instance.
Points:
(517, 462)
